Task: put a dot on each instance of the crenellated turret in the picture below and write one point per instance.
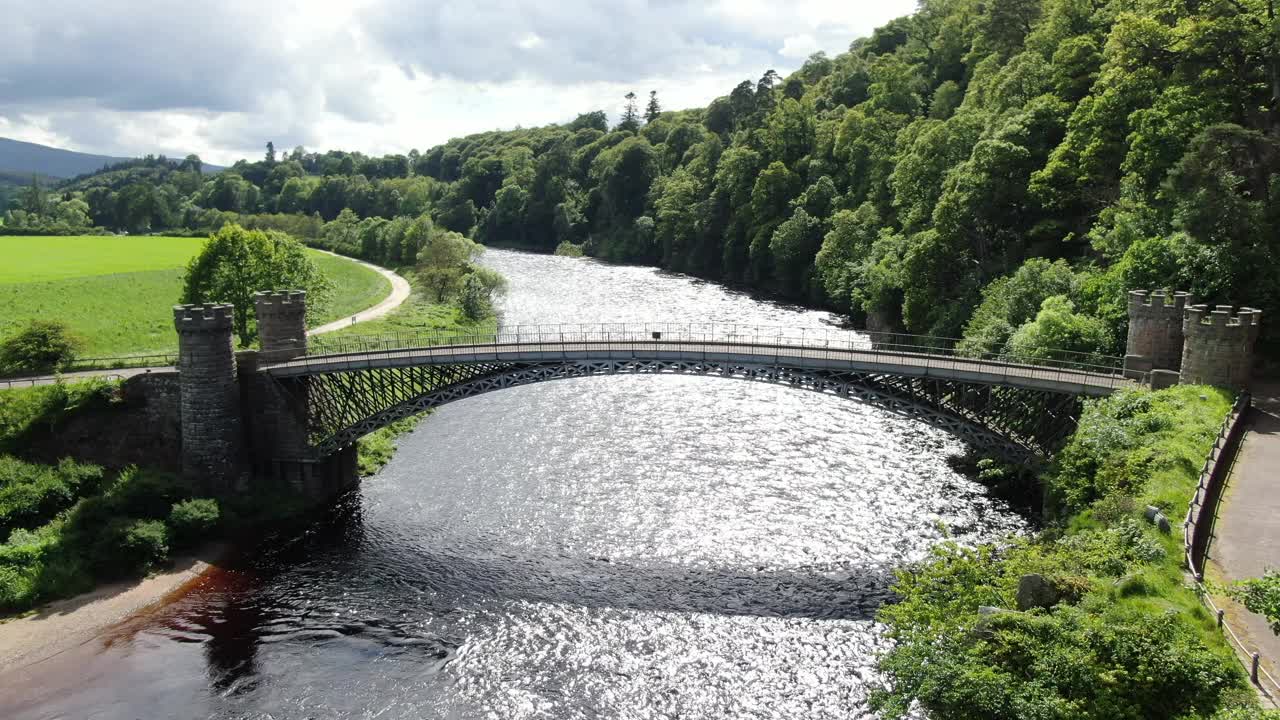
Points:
(1218, 347)
(1155, 329)
(212, 441)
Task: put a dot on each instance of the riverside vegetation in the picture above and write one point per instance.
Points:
(1093, 617)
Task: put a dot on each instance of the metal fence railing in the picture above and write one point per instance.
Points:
(816, 344)
(809, 344)
(22, 382)
(1197, 528)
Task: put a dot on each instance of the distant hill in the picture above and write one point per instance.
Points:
(19, 158)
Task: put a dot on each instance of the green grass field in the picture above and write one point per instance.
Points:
(117, 292)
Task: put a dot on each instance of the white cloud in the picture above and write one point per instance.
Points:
(220, 79)
(799, 46)
(529, 41)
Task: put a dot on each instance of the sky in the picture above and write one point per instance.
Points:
(221, 78)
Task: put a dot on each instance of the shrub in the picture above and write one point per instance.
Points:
(30, 494)
(129, 546)
(42, 346)
(26, 410)
(568, 249)
(145, 493)
(1262, 596)
(191, 521)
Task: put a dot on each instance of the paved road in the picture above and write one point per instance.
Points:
(399, 293)
(798, 356)
(1246, 537)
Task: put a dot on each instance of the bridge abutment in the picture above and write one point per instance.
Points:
(1155, 332)
(236, 423)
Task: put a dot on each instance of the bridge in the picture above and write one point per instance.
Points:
(294, 409)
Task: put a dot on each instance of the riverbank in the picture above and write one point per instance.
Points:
(64, 624)
(1101, 590)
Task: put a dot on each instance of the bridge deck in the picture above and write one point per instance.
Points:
(949, 367)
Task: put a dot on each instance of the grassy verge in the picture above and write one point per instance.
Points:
(418, 314)
(1091, 618)
(355, 287)
(117, 294)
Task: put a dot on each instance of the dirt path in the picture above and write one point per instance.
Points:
(399, 293)
(1246, 533)
(66, 624)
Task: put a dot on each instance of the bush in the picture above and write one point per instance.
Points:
(192, 521)
(568, 249)
(42, 346)
(129, 546)
(31, 495)
(145, 494)
(1262, 596)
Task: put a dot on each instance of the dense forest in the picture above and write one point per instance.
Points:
(1000, 170)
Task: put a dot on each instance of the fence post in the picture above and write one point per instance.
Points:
(1253, 670)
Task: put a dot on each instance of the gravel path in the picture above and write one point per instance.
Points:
(399, 293)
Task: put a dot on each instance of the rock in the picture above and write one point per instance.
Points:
(1034, 591)
(982, 628)
(1157, 518)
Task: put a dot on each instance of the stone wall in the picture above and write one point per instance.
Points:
(142, 429)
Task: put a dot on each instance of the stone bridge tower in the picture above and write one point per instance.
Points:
(1155, 332)
(282, 324)
(213, 451)
(1219, 345)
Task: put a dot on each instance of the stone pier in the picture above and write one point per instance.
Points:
(213, 451)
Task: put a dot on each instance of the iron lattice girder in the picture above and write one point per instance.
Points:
(1019, 425)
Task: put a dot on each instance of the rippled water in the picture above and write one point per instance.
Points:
(632, 547)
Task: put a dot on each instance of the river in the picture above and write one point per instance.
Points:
(612, 547)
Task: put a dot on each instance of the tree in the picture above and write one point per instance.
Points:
(236, 263)
(653, 109)
(34, 199)
(1058, 328)
(41, 346)
(630, 120)
(444, 262)
(270, 159)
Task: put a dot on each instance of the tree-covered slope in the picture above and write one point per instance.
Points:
(998, 169)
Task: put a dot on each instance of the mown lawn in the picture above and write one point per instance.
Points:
(117, 293)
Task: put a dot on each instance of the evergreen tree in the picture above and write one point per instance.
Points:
(630, 116)
(653, 110)
(271, 153)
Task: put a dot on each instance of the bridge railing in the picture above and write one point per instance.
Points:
(767, 338)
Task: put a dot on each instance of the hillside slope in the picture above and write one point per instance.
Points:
(17, 156)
